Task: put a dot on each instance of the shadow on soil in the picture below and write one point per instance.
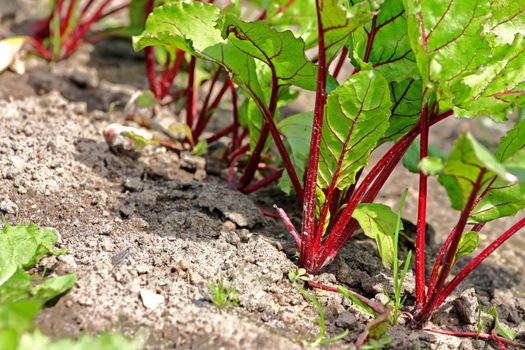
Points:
(161, 189)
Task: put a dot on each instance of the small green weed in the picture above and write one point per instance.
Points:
(397, 301)
(222, 296)
(300, 275)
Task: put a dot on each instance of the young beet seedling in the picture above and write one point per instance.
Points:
(415, 64)
(58, 35)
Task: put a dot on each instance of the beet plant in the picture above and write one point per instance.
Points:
(60, 33)
(415, 63)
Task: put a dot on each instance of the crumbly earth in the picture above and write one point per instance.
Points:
(146, 237)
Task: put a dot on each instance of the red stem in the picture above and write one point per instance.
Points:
(255, 158)
(114, 10)
(478, 260)
(190, 93)
(340, 62)
(235, 111)
(422, 213)
(169, 74)
(339, 235)
(269, 214)
(432, 302)
(65, 22)
(41, 50)
(369, 42)
(204, 109)
(473, 335)
(220, 134)
(288, 223)
(207, 113)
(264, 182)
(475, 228)
(235, 155)
(269, 126)
(73, 41)
(308, 222)
(86, 7)
(149, 53)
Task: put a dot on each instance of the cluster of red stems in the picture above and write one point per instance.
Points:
(316, 250)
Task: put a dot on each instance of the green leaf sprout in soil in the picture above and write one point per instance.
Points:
(322, 339)
(222, 296)
(23, 295)
(397, 301)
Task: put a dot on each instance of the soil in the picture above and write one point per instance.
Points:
(147, 236)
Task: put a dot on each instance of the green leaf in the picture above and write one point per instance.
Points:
(501, 200)
(9, 338)
(378, 221)
(299, 16)
(136, 11)
(340, 22)
(297, 132)
(445, 36)
(516, 165)
(512, 142)
(106, 341)
(390, 53)
(281, 51)
(500, 328)
(22, 246)
(463, 167)
(16, 288)
(406, 97)
(359, 305)
(195, 28)
(431, 165)
(507, 20)
(356, 118)
(467, 244)
(200, 148)
(53, 287)
(498, 89)
(411, 157)
(19, 315)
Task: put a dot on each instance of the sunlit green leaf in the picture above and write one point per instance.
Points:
(281, 51)
(507, 20)
(193, 27)
(498, 88)
(501, 200)
(446, 38)
(411, 157)
(467, 244)
(431, 165)
(501, 329)
(356, 118)
(378, 221)
(466, 163)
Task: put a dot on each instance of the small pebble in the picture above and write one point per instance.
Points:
(151, 300)
(7, 206)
